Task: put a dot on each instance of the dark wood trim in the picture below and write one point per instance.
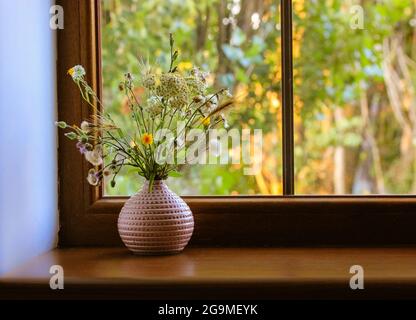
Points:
(78, 43)
(287, 98)
(87, 218)
(273, 221)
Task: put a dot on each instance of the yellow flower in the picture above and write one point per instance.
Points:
(184, 65)
(206, 122)
(147, 138)
(71, 71)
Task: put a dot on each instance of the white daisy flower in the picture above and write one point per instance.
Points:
(85, 126)
(77, 72)
(93, 177)
(95, 157)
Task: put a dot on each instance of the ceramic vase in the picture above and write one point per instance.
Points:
(155, 222)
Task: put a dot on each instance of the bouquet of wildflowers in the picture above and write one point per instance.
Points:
(169, 99)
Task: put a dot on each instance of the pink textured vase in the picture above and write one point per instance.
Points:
(156, 222)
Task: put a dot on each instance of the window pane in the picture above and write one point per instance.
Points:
(355, 97)
(238, 41)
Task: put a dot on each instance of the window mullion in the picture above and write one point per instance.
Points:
(287, 97)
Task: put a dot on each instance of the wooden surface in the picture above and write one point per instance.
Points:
(231, 273)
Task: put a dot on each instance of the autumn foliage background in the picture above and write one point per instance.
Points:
(354, 89)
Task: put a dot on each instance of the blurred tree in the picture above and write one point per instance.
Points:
(237, 41)
(354, 89)
(354, 121)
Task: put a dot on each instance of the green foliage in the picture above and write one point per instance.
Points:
(136, 28)
(338, 71)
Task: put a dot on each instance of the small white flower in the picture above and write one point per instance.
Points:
(129, 78)
(227, 93)
(93, 178)
(215, 102)
(95, 157)
(85, 126)
(224, 119)
(77, 72)
(210, 104)
(195, 71)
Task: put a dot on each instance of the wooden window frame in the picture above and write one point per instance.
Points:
(87, 218)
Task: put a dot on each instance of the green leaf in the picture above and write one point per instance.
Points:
(132, 170)
(71, 135)
(175, 174)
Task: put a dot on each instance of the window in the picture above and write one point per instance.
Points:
(88, 216)
(238, 41)
(354, 100)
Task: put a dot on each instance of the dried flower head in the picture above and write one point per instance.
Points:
(149, 81)
(154, 106)
(196, 82)
(77, 72)
(179, 101)
(171, 85)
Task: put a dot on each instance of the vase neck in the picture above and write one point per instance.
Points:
(157, 184)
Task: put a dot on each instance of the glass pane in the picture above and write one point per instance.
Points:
(355, 97)
(238, 41)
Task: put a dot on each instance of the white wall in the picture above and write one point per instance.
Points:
(28, 188)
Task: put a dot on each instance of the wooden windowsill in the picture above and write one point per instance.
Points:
(231, 273)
